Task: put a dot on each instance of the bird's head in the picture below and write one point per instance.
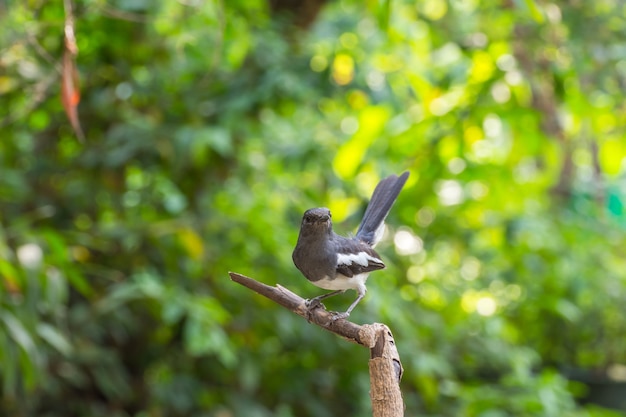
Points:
(317, 220)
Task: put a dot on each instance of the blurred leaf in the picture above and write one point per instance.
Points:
(112, 380)
(351, 154)
(10, 276)
(384, 12)
(535, 13)
(19, 334)
(202, 338)
(7, 84)
(192, 242)
(55, 338)
(611, 155)
(568, 310)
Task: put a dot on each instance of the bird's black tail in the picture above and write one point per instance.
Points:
(384, 196)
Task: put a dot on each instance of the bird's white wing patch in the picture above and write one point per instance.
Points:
(360, 258)
(378, 234)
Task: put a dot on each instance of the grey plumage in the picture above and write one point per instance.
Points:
(338, 263)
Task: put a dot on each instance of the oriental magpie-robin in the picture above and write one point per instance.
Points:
(340, 263)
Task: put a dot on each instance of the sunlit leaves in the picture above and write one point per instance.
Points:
(482, 67)
(192, 242)
(534, 10)
(343, 69)
(351, 154)
(612, 154)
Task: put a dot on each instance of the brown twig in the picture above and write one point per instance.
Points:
(297, 304)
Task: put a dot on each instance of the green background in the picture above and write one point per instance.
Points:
(211, 125)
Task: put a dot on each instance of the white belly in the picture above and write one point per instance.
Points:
(341, 282)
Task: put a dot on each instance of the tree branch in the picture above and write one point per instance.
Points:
(384, 364)
(297, 304)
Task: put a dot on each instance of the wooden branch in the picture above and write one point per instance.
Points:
(385, 373)
(384, 364)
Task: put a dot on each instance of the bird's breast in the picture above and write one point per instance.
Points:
(315, 262)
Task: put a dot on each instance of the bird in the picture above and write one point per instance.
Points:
(334, 262)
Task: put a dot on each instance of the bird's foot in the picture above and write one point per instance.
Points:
(338, 316)
(311, 305)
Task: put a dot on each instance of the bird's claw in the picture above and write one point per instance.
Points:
(338, 316)
(314, 303)
(311, 305)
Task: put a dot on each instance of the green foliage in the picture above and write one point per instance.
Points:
(211, 126)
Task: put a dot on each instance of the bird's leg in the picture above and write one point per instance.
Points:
(316, 302)
(345, 314)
